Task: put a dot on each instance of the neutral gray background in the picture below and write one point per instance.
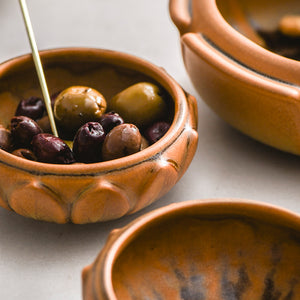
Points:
(44, 261)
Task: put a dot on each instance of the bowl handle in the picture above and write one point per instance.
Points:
(180, 15)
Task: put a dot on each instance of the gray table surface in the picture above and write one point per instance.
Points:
(44, 261)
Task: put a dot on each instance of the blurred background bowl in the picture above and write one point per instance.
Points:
(250, 82)
(202, 249)
(86, 193)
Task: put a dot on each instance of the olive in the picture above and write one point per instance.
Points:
(156, 131)
(110, 120)
(140, 104)
(23, 129)
(51, 149)
(122, 140)
(24, 153)
(44, 123)
(69, 143)
(78, 105)
(32, 107)
(88, 141)
(5, 139)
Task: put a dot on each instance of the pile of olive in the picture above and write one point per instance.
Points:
(90, 128)
(285, 39)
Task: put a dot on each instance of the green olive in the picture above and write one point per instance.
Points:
(140, 104)
(78, 105)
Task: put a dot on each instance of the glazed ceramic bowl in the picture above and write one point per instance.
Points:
(206, 249)
(254, 89)
(83, 193)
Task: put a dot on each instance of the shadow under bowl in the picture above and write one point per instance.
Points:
(251, 87)
(203, 249)
(85, 193)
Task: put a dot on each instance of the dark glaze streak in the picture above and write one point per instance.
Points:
(243, 282)
(235, 291)
(289, 296)
(191, 288)
(276, 254)
(180, 276)
(186, 293)
(270, 292)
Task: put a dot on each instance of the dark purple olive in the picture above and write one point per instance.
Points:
(24, 153)
(51, 149)
(156, 131)
(88, 141)
(23, 129)
(5, 139)
(110, 120)
(32, 107)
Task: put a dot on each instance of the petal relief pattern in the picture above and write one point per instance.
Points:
(37, 201)
(161, 176)
(100, 202)
(183, 149)
(3, 203)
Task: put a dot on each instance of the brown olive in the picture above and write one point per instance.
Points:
(140, 104)
(122, 140)
(78, 105)
(5, 139)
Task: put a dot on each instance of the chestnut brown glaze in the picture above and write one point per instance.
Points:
(251, 87)
(84, 193)
(207, 249)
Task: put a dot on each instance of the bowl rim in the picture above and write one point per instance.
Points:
(210, 22)
(230, 67)
(120, 59)
(229, 206)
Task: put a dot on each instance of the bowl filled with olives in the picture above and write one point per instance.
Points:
(200, 249)
(126, 134)
(243, 58)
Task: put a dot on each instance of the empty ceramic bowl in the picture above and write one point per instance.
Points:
(206, 249)
(83, 193)
(243, 66)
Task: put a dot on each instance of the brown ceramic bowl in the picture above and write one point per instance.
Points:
(254, 89)
(208, 249)
(83, 193)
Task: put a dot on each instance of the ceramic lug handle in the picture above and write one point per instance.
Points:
(179, 12)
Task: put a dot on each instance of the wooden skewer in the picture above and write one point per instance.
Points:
(38, 65)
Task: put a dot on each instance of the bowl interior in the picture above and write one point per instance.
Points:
(104, 71)
(210, 257)
(259, 21)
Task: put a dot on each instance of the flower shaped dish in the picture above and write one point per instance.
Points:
(84, 193)
(208, 249)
